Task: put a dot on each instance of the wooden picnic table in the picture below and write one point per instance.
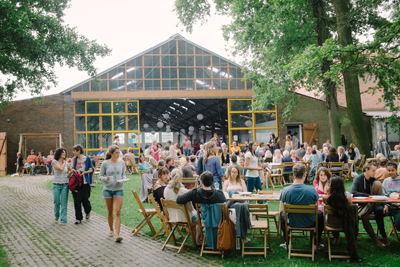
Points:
(370, 200)
(261, 197)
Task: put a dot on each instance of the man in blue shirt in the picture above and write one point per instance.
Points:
(300, 194)
(102, 152)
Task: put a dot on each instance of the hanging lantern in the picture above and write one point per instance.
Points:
(153, 132)
(177, 133)
(168, 130)
(160, 124)
(145, 125)
(248, 123)
(202, 128)
(190, 133)
(168, 127)
(166, 116)
(199, 117)
(191, 128)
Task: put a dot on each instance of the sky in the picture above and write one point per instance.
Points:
(129, 27)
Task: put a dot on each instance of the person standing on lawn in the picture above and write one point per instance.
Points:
(112, 173)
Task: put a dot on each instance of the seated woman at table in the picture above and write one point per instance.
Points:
(389, 186)
(343, 157)
(268, 157)
(234, 183)
(340, 203)
(293, 155)
(382, 173)
(314, 159)
(144, 165)
(277, 156)
(321, 183)
(286, 170)
(325, 153)
(159, 186)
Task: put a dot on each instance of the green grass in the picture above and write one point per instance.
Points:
(371, 254)
(3, 255)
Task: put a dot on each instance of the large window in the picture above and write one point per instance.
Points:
(246, 124)
(97, 122)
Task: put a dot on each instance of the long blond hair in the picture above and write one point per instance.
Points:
(208, 151)
(176, 180)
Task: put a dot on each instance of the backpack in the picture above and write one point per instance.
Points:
(75, 182)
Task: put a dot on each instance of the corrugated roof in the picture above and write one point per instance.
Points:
(173, 37)
(381, 114)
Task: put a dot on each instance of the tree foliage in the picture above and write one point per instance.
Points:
(33, 39)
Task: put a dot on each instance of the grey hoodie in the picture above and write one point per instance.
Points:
(391, 185)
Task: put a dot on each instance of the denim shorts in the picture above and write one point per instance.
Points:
(111, 194)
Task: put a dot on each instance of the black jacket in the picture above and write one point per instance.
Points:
(362, 187)
(225, 160)
(199, 195)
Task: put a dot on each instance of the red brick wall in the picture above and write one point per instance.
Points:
(53, 114)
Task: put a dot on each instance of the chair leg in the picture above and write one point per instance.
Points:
(139, 227)
(203, 243)
(312, 246)
(290, 244)
(169, 237)
(393, 230)
(329, 248)
(148, 219)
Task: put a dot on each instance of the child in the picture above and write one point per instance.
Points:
(20, 165)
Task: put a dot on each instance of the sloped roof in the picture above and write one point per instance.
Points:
(173, 37)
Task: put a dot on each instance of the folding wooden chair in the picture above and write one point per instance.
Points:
(347, 172)
(302, 209)
(286, 173)
(162, 218)
(393, 230)
(362, 162)
(263, 226)
(188, 225)
(271, 214)
(277, 172)
(329, 230)
(336, 165)
(322, 164)
(128, 165)
(189, 181)
(96, 173)
(147, 214)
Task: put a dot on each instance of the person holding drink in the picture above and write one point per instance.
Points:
(112, 175)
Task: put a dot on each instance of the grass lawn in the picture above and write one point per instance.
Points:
(370, 253)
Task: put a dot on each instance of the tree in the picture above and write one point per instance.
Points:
(33, 39)
(291, 45)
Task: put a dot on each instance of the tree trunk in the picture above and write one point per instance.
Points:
(350, 77)
(329, 85)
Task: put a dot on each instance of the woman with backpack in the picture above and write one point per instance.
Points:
(60, 185)
(112, 173)
(83, 164)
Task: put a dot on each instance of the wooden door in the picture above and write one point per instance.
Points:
(3, 154)
(310, 133)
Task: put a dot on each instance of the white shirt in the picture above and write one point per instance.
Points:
(252, 163)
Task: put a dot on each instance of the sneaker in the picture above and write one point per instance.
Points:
(284, 246)
(88, 216)
(78, 221)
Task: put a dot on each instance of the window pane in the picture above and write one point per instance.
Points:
(235, 73)
(77, 89)
(152, 60)
(265, 120)
(200, 73)
(185, 48)
(187, 73)
(155, 51)
(169, 73)
(98, 86)
(117, 85)
(187, 85)
(224, 84)
(149, 138)
(241, 120)
(81, 140)
(170, 85)
(249, 85)
(263, 135)
(152, 85)
(233, 84)
(152, 73)
(199, 61)
(122, 140)
(93, 140)
(240, 105)
(132, 107)
(106, 107)
(220, 73)
(85, 87)
(206, 61)
(119, 107)
(135, 62)
(134, 73)
(186, 61)
(119, 123)
(240, 84)
(93, 123)
(133, 140)
(242, 136)
(169, 48)
(118, 73)
(107, 140)
(92, 108)
(135, 85)
(106, 120)
(133, 123)
(80, 124)
(169, 61)
(79, 107)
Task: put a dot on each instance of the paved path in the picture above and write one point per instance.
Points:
(32, 238)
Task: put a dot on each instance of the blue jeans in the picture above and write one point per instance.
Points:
(60, 193)
(186, 152)
(252, 182)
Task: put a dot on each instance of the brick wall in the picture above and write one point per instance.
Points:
(53, 114)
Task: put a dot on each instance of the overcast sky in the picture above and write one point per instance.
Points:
(129, 27)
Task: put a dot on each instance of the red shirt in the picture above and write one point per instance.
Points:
(32, 158)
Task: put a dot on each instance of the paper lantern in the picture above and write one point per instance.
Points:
(168, 127)
(166, 116)
(202, 128)
(177, 133)
(191, 128)
(168, 130)
(199, 117)
(145, 126)
(160, 124)
(248, 123)
(153, 132)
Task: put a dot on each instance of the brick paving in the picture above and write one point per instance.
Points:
(32, 238)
